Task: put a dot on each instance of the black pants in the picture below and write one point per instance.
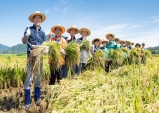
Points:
(108, 64)
(55, 74)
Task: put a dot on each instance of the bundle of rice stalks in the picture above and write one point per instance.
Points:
(117, 56)
(126, 51)
(98, 60)
(36, 58)
(147, 53)
(55, 55)
(136, 52)
(73, 55)
(85, 45)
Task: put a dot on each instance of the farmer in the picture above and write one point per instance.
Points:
(33, 35)
(127, 45)
(117, 43)
(110, 45)
(103, 47)
(96, 43)
(58, 74)
(131, 44)
(143, 58)
(110, 37)
(137, 45)
(122, 43)
(83, 62)
(73, 30)
(143, 46)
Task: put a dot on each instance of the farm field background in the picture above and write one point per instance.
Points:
(130, 88)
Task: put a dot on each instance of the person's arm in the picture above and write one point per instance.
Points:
(26, 35)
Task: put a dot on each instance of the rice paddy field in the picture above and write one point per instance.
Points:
(127, 89)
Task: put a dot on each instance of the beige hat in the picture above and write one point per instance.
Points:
(127, 41)
(104, 40)
(122, 41)
(108, 34)
(100, 41)
(37, 13)
(84, 29)
(132, 43)
(58, 26)
(117, 39)
(73, 27)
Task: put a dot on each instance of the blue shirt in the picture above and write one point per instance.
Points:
(110, 45)
(36, 37)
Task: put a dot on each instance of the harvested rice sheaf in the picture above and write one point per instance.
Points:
(99, 59)
(85, 45)
(126, 51)
(54, 53)
(73, 54)
(117, 56)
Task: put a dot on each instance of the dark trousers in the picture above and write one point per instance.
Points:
(108, 64)
(55, 74)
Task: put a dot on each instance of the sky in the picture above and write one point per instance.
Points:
(134, 20)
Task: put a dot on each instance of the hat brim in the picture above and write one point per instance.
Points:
(77, 30)
(36, 14)
(57, 26)
(108, 34)
(104, 41)
(122, 41)
(85, 29)
(117, 39)
(100, 41)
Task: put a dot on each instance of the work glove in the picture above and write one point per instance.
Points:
(62, 51)
(27, 32)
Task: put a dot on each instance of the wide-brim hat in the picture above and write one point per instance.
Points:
(84, 29)
(117, 39)
(137, 44)
(73, 27)
(132, 43)
(43, 17)
(104, 40)
(58, 26)
(108, 34)
(122, 41)
(100, 41)
(128, 41)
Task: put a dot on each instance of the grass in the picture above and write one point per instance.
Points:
(129, 89)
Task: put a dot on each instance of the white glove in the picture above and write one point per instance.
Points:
(46, 49)
(27, 32)
(62, 51)
(68, 38)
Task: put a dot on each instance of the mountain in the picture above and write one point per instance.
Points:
(3, 47)
(17, 49)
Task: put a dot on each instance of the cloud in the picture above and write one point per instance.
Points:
(154, 19)
(115, 27)
(46, 11)
(63, 1)
(134, 26)
(65, 10)
(55, 8)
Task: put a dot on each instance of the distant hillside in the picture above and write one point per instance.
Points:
(3, 47)
(154, 50)
(17, 49)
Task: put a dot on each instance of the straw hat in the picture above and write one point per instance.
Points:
(58, 26)
(108, 34)
(132, 43)
(73, 27)
(137, 44)
(122, 41)
(84, 29)
(117, 39)
(104, 40)
(37, 13)
(100, 41)
(127, 41)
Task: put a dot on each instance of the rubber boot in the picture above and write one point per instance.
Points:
(37, 95)
(27, 98)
